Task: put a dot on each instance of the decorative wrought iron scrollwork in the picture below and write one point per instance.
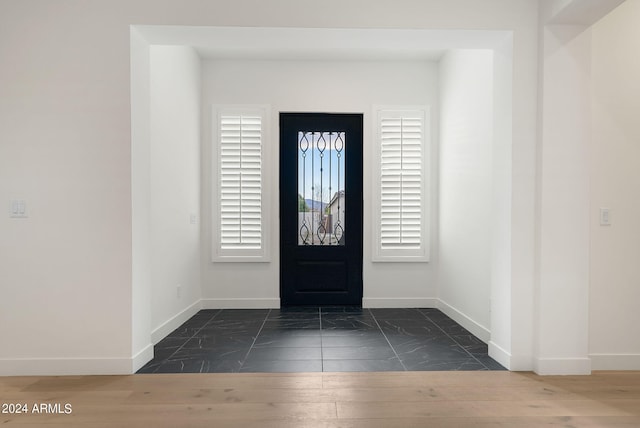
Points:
(304, 233)
(321, 217)
(321, 233)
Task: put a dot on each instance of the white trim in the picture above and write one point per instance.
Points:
(500, 355)
(615, 361)
(241, 303)
(520, 363)
(65, 366)
(562, 366)
(174, 322)
(478, 330)
(241, 255)
(399, 302)
(141, 358)
(513, 363)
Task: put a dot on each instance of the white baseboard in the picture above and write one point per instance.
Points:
(513, 363)
(241, 303)
(174, 322)
(65, 366)
(142, 358)
(615, 361)
(75, 366)
(520, 363)
(500, 355)
(476, 329)
(399, 302)
(562, 366)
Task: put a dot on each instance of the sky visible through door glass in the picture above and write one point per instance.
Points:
(321, 165)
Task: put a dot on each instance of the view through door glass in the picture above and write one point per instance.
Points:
(321, 208)
(321, 184)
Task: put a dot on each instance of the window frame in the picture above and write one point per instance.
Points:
(421, 254)
(219, 254)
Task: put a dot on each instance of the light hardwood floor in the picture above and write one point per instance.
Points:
(329, 400)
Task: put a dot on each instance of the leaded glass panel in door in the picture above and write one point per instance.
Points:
(321, 188)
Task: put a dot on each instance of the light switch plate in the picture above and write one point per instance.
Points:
(18, 209)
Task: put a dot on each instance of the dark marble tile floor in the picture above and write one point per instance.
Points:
(316, 339)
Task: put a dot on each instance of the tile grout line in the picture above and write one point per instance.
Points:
(206, 364)
(454, 341)
(185, 342)
(244, 360)
(387, 339)
(205, 324)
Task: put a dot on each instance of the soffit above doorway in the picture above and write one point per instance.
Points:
(320, 43)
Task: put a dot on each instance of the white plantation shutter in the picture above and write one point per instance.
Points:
(402, 205)
(401, 182)
(240, 185)
(240, 182)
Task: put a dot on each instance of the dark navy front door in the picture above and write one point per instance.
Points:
(320, 209)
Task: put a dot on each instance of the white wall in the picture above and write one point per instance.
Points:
(564, 310)
(174, 186)
(65, 271)
(510, 343)
(466, 187)
(614, 342)
(141, 345)
(307, 86)
(563, 278)
(65, 141)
